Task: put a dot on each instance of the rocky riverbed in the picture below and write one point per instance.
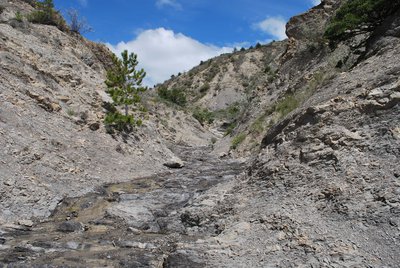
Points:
(139, 223)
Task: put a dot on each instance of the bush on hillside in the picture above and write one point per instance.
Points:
(30, 2)
(174, 95)
(237, 140)
(77, 24)
(204, 116)
(19, 17)
(359, 16)
(46, 14)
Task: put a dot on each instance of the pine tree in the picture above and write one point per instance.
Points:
(124, 85)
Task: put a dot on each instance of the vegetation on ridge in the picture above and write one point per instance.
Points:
(45, 13)
(359, 16)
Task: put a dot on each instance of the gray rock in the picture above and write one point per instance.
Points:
(27, 223)
(70, 227)
(174, 162)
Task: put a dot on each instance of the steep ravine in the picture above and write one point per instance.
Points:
(320, 186)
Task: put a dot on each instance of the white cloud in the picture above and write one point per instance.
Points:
(315, 2)
(171, 3)
(274, 26)
(162, 52)
(83, 3)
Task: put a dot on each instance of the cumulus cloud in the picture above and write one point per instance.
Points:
(315, 2)
(162, 52)
(83, 2)
(170, 3)
(273, 26)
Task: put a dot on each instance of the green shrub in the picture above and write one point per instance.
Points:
(31, 2)
(18, 16)
(174, 95)
(204, 88)
(204, 116)
(46, 14)
(230, 128)
(120, 122)
(238, 140)
(359, 15)
(258, 126)
(287, 104)
(70, 112)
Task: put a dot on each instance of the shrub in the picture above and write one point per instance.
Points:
(2, 9)
(359, 16)
(287, 104)
(30, 2)
(46, 14)
(204, 116)
(204, 88)
(258, 45)
(174, 95)
(230, 128)
(119, 121)
(18, 16)
(238, 140)
(76, 24)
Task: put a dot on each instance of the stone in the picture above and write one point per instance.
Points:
(64, 98)
(94, 126)
(27, 223)
(376, 93)
(70, 227)
(174, 162)
(134, 231)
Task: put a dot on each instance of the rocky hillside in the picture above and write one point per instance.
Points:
(53, 140)
(322, 188)
(248, 91)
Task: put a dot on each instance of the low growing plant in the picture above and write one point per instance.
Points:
(46, 14)
(204, 116)
(175, 95)
(19, 17)
(237, 140)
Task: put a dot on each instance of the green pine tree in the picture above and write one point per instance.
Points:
(124, 85)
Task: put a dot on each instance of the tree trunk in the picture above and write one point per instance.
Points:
(126, 109)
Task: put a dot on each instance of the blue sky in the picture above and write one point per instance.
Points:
(172, 36)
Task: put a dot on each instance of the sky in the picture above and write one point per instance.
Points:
(172, 36)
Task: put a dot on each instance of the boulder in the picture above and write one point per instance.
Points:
(174, 162)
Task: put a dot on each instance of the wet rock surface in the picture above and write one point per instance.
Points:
(133, 224)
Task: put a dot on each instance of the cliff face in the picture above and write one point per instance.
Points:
(51, 120)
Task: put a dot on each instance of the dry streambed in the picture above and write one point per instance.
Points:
(133, 224)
